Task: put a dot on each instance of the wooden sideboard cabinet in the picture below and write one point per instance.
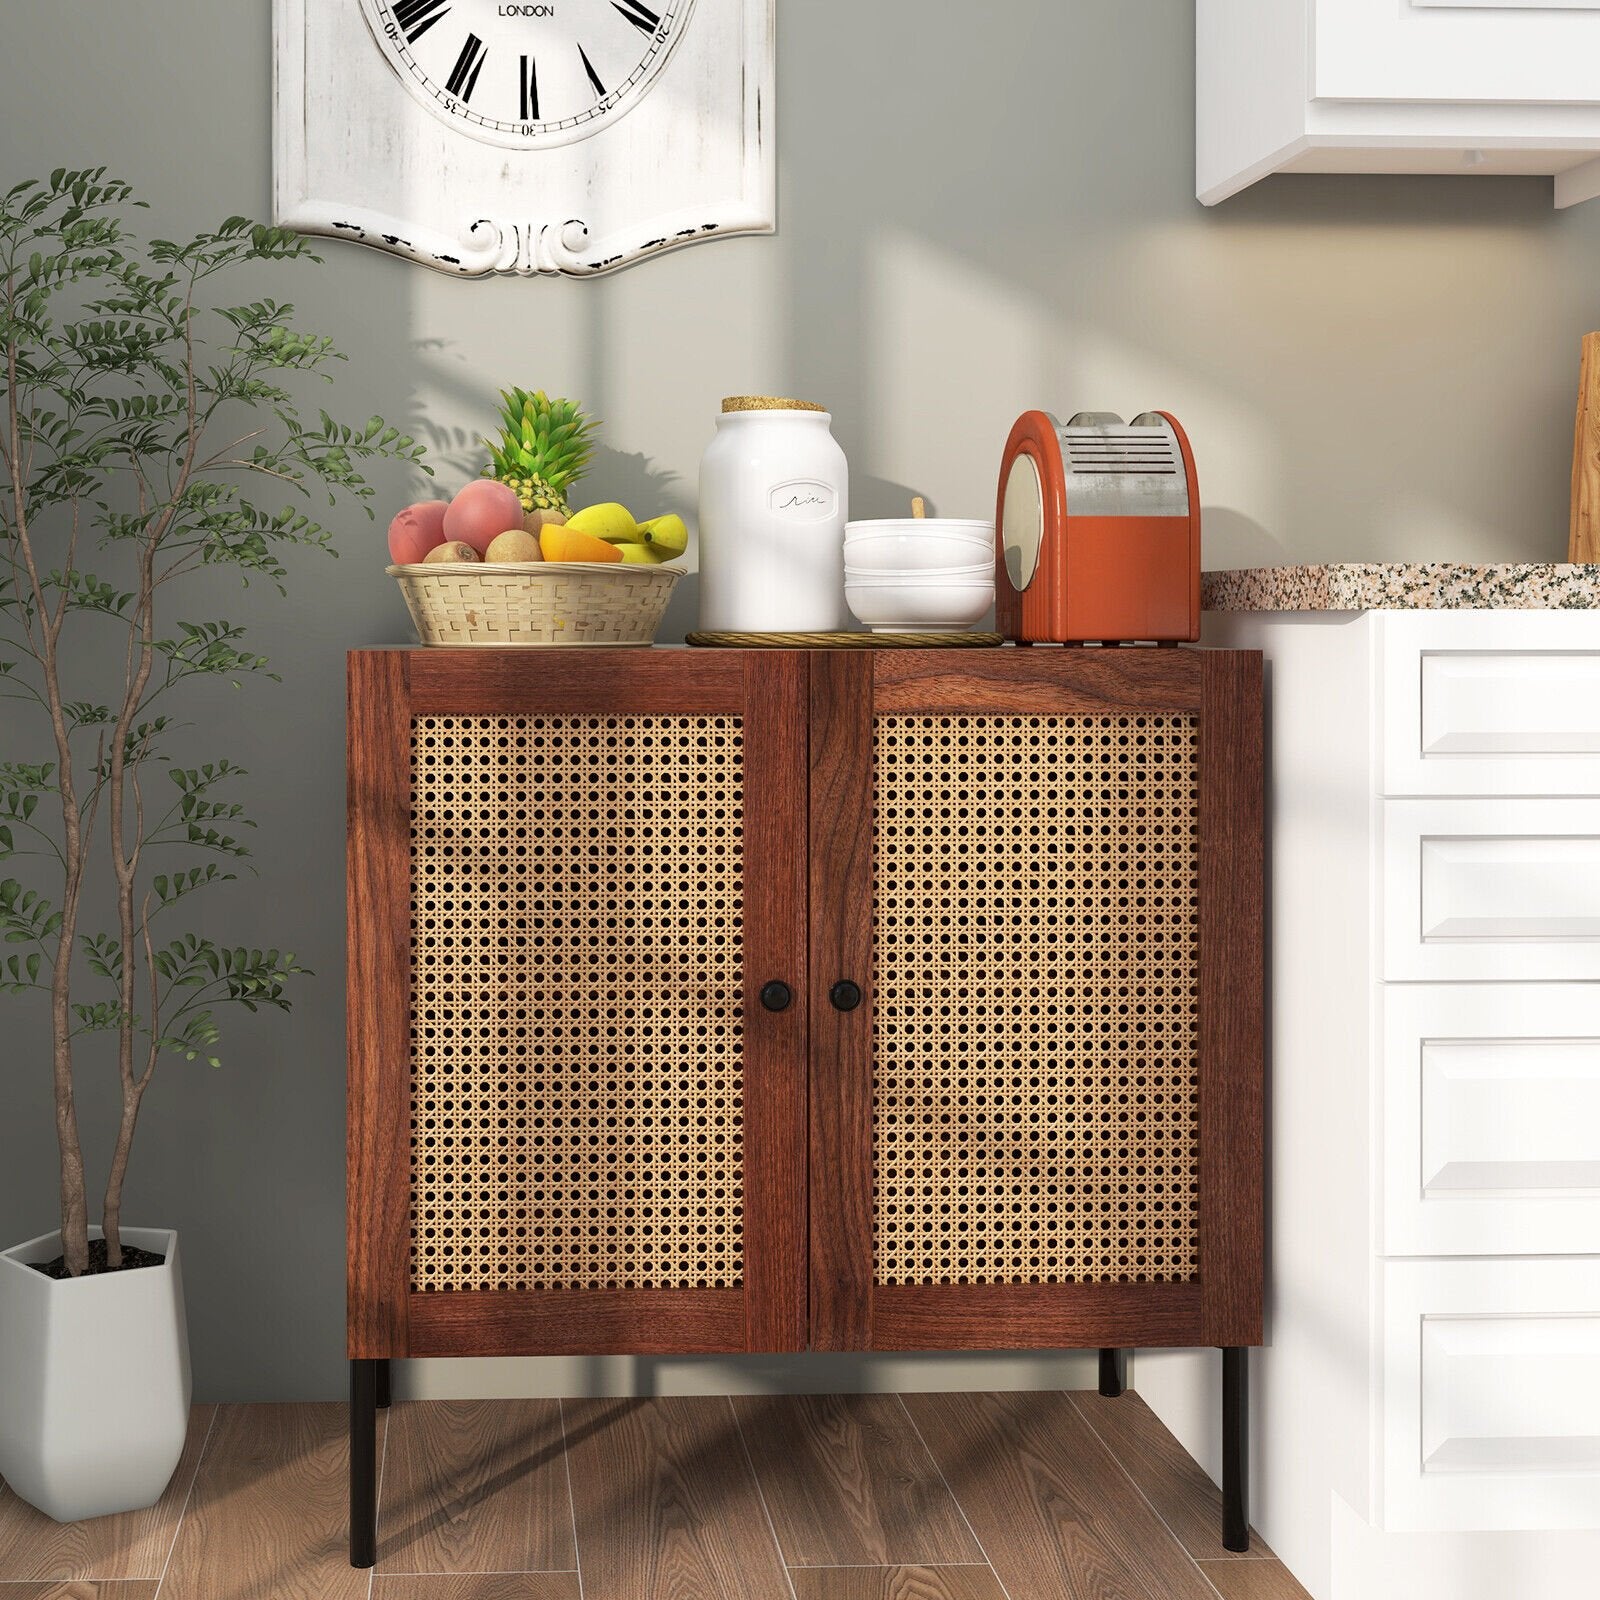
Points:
(760, 1000)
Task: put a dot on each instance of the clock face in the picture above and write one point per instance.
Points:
(527, 75)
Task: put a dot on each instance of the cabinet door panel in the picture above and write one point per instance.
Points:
(1015, 1141)
(594, 1130)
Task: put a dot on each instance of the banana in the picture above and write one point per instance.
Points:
(667, 534)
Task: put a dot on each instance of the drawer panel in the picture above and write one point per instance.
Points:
(1491, 1412)
(1491, 890)
(1491, 1119)
(1405, 51)
(1497, 703)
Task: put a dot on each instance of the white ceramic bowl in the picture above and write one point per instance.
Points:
(913, 545)
(941, 580)
(944, 575)
(912, 606)
(978, 528)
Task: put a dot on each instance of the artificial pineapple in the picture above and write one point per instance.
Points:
(544, 446)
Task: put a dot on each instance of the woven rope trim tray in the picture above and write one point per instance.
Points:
(847, 641)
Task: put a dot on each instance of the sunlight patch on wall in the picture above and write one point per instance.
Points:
(952, 356)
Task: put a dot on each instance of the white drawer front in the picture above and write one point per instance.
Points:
(1491, 890)
(1491, 1120)
(1496, 703)
(1405, 51)
(1491, 1408)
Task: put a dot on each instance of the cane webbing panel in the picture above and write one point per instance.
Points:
(576, 1002)
(1035, 1029)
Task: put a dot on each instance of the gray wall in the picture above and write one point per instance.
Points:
(982, 209)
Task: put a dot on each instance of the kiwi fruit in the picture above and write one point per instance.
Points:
(453, 550)
(513, 545)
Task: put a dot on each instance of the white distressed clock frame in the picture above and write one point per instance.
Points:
(357, 157)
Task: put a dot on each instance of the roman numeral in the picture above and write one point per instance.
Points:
(594, 77)
(464, 75)
(530, 89)
(417, 16)
(640, 15)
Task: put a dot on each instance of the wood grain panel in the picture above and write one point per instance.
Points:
(85, 1590)
(665, 1503)
(897, 1583)
(1037, 681)
(1167, 1475)
(133, 1544)
(1253, 1580)
(574, 683)
(1034, 1316)
(475, 1487)
(268, 1516)
(775, 919)
(483, 1586)
(378, 1003)
(841, 1041)
(577, 1322)
(1047, 1501)
(848, 1482)
(1232, 998)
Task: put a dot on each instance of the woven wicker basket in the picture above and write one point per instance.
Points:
(531, 604)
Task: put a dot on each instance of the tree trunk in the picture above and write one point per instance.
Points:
(111, 1211)
(74, 1204)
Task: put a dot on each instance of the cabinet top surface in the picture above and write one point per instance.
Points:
(1406, 586)
(908, 658)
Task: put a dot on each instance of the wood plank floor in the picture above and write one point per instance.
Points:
(808, 1497)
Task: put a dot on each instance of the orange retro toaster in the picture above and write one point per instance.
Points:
(1097, 531)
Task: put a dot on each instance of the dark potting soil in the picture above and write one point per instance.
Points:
(132, 1256)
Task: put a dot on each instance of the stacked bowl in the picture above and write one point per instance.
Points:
(919, 574)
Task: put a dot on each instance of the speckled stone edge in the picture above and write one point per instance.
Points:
(1405, 586)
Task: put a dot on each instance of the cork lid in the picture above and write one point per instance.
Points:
(766, 402)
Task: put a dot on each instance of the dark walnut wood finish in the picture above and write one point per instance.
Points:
(388, 688)
(808, 1208)
(1223, 690)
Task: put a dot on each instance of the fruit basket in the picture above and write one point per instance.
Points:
(535, 604)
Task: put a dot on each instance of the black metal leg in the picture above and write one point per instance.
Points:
(1235, 1448)
(363, 1463)
(384, 1392)
(1113, 1372)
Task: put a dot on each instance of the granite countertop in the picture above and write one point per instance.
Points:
(1405, 586)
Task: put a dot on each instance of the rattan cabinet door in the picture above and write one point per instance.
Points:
(575, 1126)
(1042, 1123)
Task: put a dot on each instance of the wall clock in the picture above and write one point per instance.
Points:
(479, 136)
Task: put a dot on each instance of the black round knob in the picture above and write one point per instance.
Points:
(845, 995)
(776, 996)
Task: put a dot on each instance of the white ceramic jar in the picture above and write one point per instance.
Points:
(774, 496)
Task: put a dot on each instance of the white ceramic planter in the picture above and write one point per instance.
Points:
(94, 1380)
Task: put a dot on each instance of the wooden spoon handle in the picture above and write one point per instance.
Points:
(1583, 543)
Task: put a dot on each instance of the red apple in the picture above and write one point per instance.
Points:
(416, 531)
(481, 512)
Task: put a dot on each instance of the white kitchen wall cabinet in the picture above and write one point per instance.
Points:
(1422, 86)
(1428, 1399)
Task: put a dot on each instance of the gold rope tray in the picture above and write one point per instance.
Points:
(847, 641)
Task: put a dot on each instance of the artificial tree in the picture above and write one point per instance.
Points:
(138, 406)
